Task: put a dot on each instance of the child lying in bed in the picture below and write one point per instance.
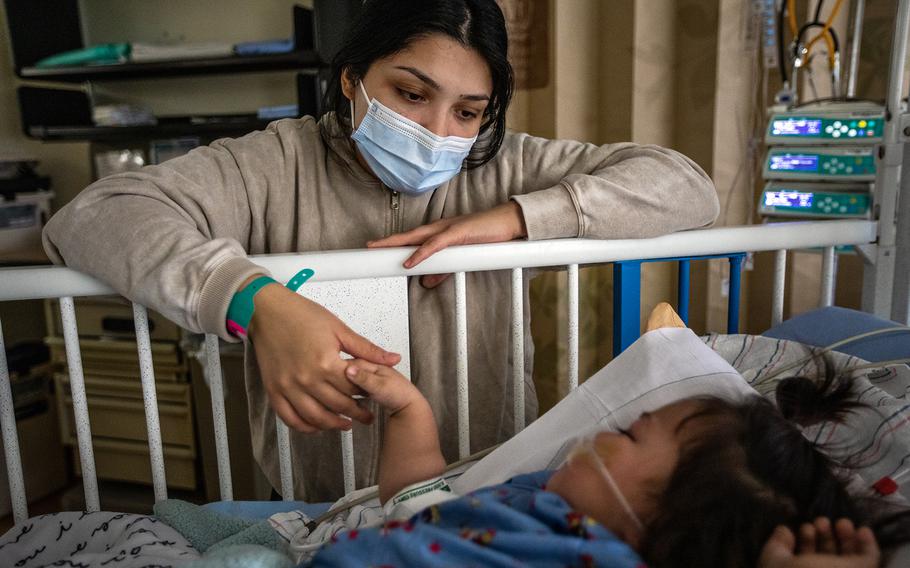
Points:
(701, 482)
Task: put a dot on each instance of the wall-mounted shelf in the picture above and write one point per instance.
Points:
(59, 113)
(292, 61)
(167, 127)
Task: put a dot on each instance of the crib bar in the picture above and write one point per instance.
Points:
(518, 350)
(682, 290)
(284, 459)
(213, 377)
(347, 461)
(80, 403)
(11, 440)
(461, 366)
(626, 304)
(829, 276)
(736, 268)
(777, 298)
(150, 398)
(573, 326)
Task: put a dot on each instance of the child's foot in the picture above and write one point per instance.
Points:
(663, 315)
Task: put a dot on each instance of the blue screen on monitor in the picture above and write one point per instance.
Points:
(788, 199)
(796, 127)
(795, 163)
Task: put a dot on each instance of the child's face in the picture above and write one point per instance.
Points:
(640, 460)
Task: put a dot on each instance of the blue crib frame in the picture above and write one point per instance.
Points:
(627, 295)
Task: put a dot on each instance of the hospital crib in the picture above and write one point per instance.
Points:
(346, 266)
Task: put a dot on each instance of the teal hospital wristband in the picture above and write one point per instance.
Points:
(240, 310)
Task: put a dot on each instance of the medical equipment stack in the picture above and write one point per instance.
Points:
(821, 161)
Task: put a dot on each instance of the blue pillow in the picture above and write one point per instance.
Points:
(825, 326)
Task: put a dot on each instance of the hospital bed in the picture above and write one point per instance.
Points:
(381, 270)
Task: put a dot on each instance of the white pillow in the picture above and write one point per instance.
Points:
(663, 366)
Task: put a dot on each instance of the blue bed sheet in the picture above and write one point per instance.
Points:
(825, 326)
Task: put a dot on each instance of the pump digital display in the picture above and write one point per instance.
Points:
(794, 163)
(788, 199)
(796, 127)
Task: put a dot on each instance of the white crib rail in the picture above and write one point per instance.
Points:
(59, 282)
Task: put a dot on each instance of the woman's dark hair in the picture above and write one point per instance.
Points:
(753, 470)
(385, 27)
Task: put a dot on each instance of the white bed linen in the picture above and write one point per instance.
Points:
(663, 366)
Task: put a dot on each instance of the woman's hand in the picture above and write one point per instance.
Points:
(298, 345)
(819, 547)
(389, 388)
(501, 223)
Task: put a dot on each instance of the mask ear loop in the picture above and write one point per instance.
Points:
(351, 100)
(588, 447)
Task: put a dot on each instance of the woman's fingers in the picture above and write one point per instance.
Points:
(433, 245)
(288, 415)
(339, 403)
(360, 348)
(433, 280)
(413, 237)
(315, 413)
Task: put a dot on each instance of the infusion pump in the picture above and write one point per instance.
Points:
(821, 160)
(832, 124)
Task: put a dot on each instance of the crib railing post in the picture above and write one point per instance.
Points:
(461, 366)
(518, 350)
(573, 327)
(682, 291)
(80, 404)
(347, 461)
(626, 304)
(780, 276)
(212, 370)
(829, 276)
(150, 400)
(11, 440)
(284, 459)
(736, 269)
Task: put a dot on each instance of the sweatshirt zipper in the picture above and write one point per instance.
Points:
(395, 205)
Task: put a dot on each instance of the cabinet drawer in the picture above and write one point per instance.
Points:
(129, 461)
(120, 359)
(109, 317)
(124, 419)
(99, 386)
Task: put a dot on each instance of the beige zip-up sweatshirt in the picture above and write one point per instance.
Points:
(175, 237)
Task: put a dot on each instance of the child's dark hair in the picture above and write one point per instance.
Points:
(385, 27)
(753, 470)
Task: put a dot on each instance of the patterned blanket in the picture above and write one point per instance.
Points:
(83, 540)
(875, 440)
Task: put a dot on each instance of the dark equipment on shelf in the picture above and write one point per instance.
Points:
(66, 114)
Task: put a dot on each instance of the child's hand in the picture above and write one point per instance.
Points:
(385, 385)
(818, 547)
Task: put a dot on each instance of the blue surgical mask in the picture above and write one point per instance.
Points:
(404, 155)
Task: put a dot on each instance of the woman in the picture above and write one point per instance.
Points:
(412, 151)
